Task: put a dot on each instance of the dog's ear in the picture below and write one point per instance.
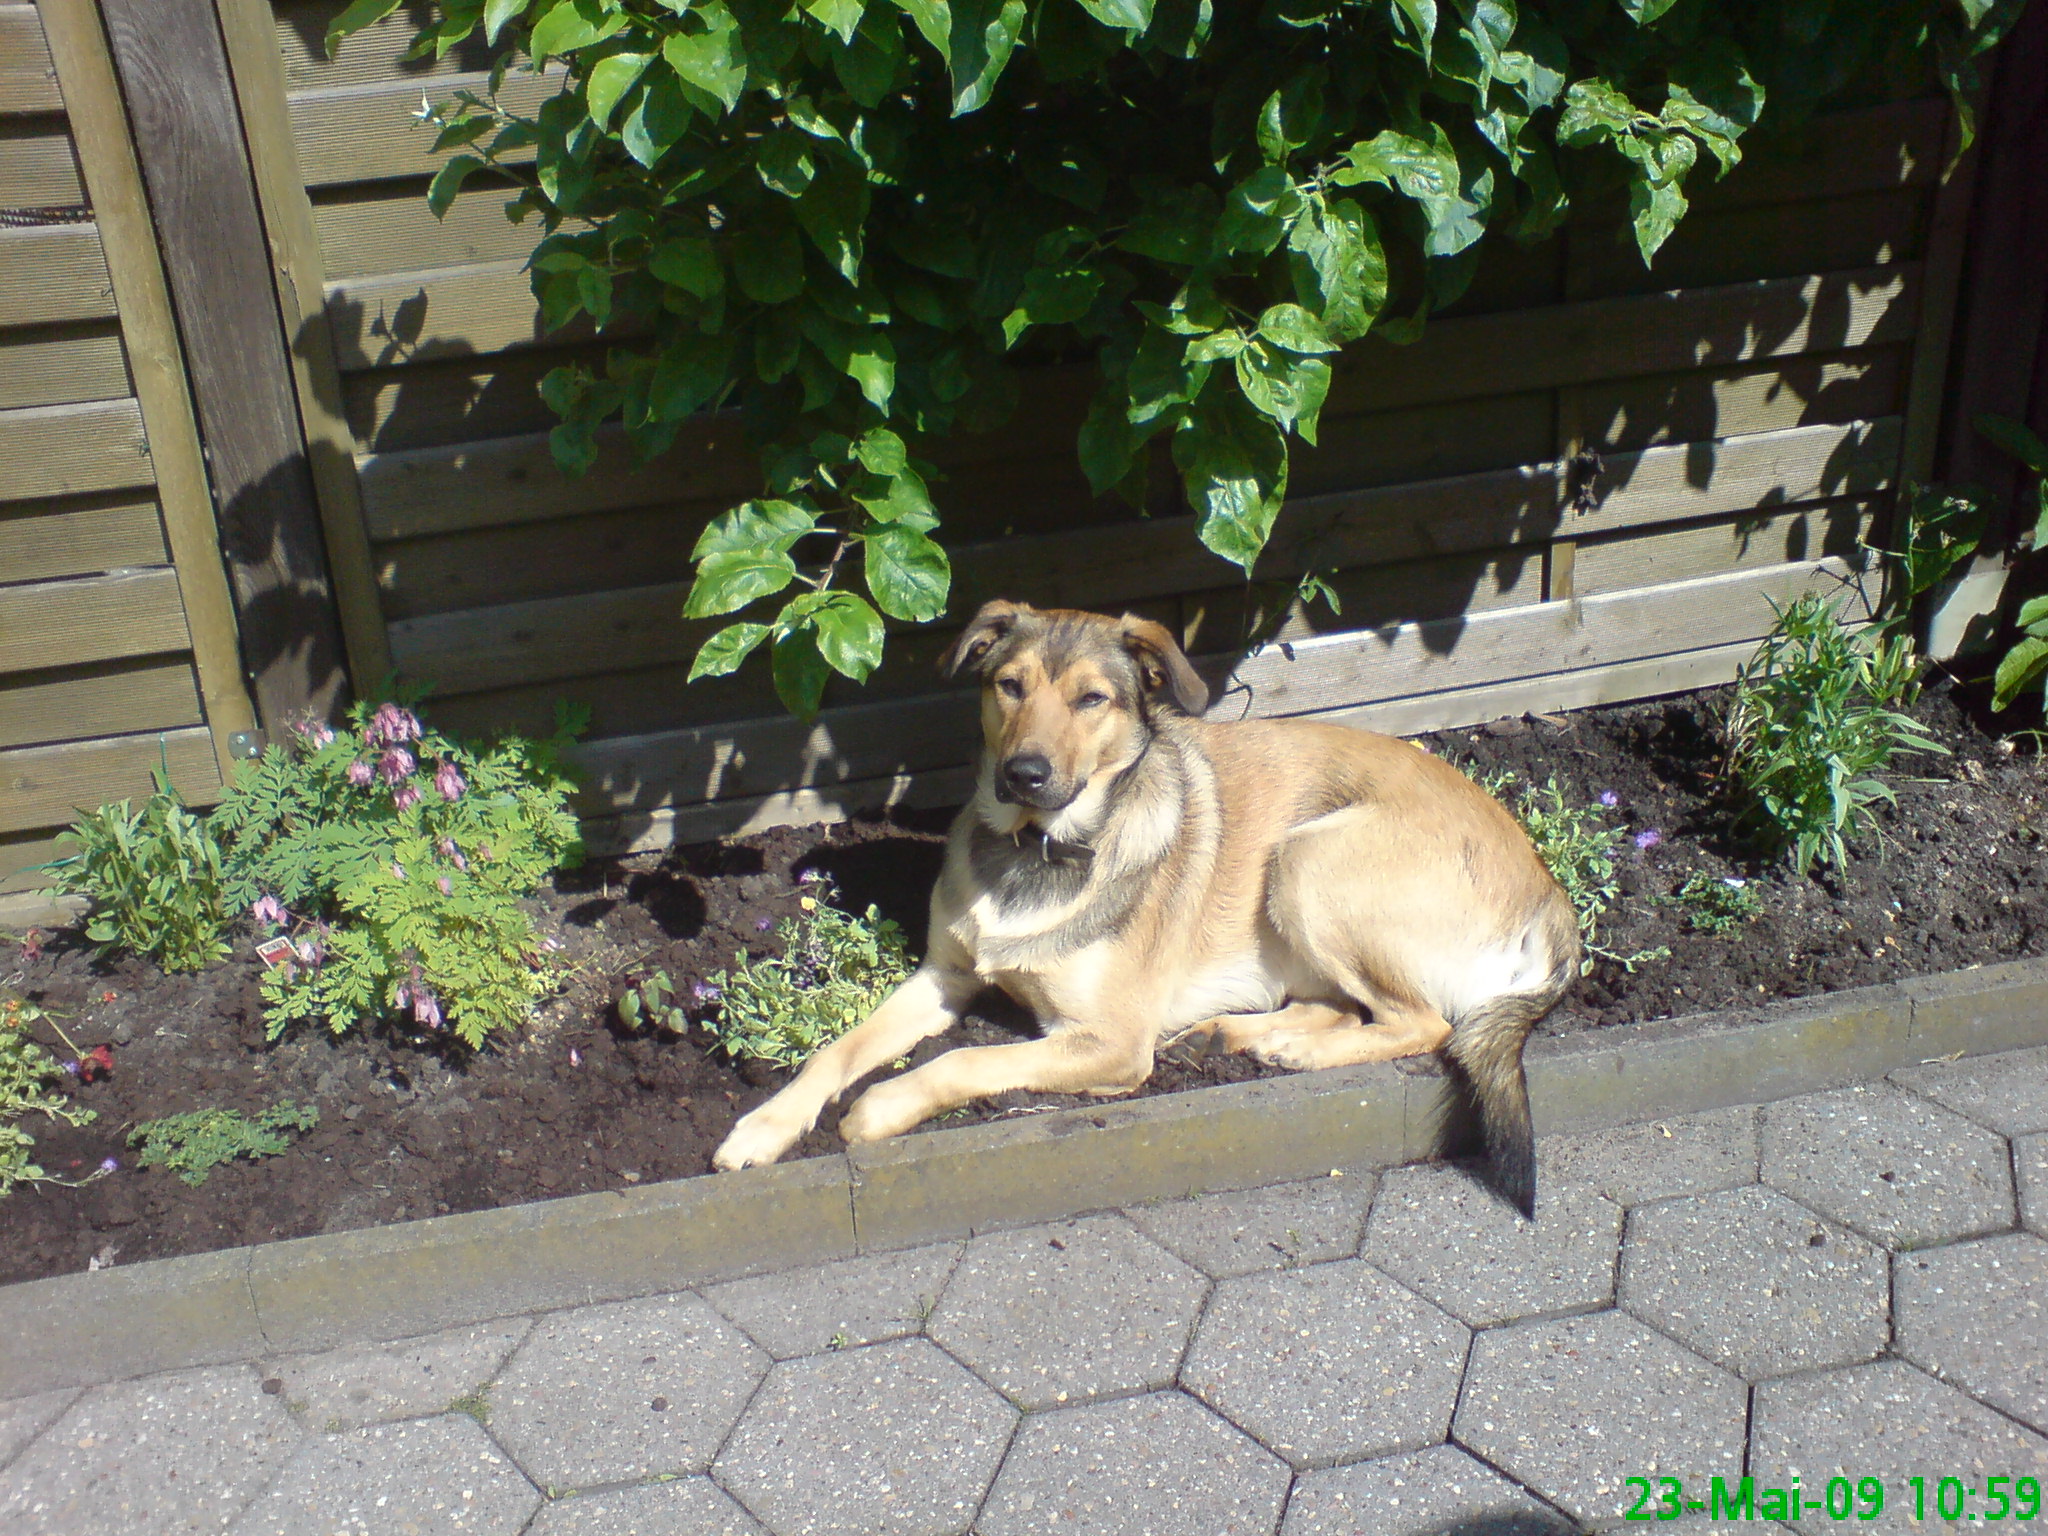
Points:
(1163, 666)
(995, 620)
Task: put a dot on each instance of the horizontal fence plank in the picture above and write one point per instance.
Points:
(54, 274)
(47, 786)
(20, 855)
(450, 312)
(375, 53)
(28, 80)
(1660, 556)
(1897, 144)
(41, 543)
(87, 364)
(861, 742)
(554, 638)
(370, 132)
(66, 450)
(154, 696)
(366, 231)
(37, 167)
(93, 618)
(1625, 415)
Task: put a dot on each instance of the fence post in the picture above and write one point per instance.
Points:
(174, 76)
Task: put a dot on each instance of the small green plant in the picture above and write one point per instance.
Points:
(396, 858)
(1815, 719)
(834, 970)
(155, 879)
(192, 1145)
(27, 1075)
(650, 1005)
(1714, 903)
(2026, 664)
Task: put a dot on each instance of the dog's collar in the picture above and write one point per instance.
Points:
(1054, 850)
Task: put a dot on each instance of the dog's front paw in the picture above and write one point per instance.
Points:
(760, 1137)
(885, 1110)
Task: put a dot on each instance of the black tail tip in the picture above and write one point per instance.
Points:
(1512, 1172)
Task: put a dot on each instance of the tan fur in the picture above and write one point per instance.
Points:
(1269, 885)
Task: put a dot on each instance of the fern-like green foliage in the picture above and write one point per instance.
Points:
(834, 970)
(27, 1074)
(154, 877)
(192, 1145)
(396, 858)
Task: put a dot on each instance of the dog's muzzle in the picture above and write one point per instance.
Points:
(1027, 779)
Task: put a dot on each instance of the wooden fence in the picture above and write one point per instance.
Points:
(1754, 400)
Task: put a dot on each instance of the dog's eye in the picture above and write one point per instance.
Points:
(1010, 688)
(1091, 701)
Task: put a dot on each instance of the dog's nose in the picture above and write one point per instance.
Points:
(1028, 772)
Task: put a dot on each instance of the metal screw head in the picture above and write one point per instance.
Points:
(246, 744)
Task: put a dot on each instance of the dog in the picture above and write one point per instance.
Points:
(1136, 875)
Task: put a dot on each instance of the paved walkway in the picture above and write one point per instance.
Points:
(1852, 1284)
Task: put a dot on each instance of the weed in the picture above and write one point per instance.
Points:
(839, 1340)
(648, 1004)
(1714, 904)
(1816, 717)
(834, 970)
(192, 1145)
(1577, 846)
(475, 1404)
(154, 877)
(27, 1075)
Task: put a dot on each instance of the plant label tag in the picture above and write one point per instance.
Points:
(276, 951)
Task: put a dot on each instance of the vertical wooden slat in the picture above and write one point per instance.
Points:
(173, 71)
(1948, 234)
(99, 128)
(249, 27)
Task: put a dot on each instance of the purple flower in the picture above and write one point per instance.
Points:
(426, 1008)
(448, 782)
(702, 992)
(109, 1165)
(446, 886)
(1648, 838)
(71, 1068)
(395, 765)
(392, 725)
(268, 910)
(405, 797)
(1609, 798)
(360, 774)
(763, 924)
(810, 877)
(453, 854)
(402, 998)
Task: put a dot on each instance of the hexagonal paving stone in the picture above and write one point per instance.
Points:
(1573, 1408)
(1756, 1282)
(23, 1418)
(2030, 1162)
(689, 1506)
(627, 1390)
(1976, 1315)
(1225, 1235)
(178, 1453)
(838, 1306)
(1902, 1171)
(1329, 1363)
(1061, 1313)
(375, 1383)
(1655, 1160)
(434, 1475)
(1437, 1230)
(1891, 1422)
(1436, 1492)
(1161, 1464)
(891, 1440)
(2007, 1092)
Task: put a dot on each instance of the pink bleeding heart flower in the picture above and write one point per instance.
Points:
(395, 765)
(426, 1008)
(445, 886)
(268, 909)
(448, 782)
(391, 725)
(405, 797)
(361, 774)
(453, 854)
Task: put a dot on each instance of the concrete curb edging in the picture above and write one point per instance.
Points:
(399, 1281)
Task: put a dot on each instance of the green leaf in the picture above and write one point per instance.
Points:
(2016, 438)
(1173, 225)
(358, 15)
(1052, 296)
(570, 25)
(1291, 115)
(1129, 15)
(768, 262)
(868, 66)
(659, 117)
(841, 16)
(1217, 348)
(908, 573)
(1108, 447)
(755, 525)
(688, 262)
(714, 60)
(1594, 109)
(2033, 614)
(688, 373)
(904, 499)
(881, 452)
(1287, 388)
(834, 211)
(734, 578)
(610, 79)
(448, 181)
(849, 634)
(1655, 209)
(800, 671)
(1339, 269)
(2023, 665)
(785, 163)
(1454, 201)
(1292, 327)
(933, 18)
(1643, 12)
(864, 355)
(725, 650)
(1421, 16)
(984, 34)
(1257, 212)
(1162, 375)
(498, 14)
(1234, 464)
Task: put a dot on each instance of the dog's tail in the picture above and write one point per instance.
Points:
(1486, 1048)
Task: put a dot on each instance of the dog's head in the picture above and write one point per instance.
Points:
(1069, 699)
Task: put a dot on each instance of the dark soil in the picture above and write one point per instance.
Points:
(409, 1130)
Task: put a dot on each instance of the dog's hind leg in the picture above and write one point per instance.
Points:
(1307, 1036)
(928, 1004)
(1067, 1061)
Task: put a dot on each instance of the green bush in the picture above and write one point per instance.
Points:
(1577, 845)
(192, 1145)
(27, 1074)
(834, 970)
(154, 877)
(396, 859)
(1815, 719)
(2025, 666)
(853, 219)
(1715, 904)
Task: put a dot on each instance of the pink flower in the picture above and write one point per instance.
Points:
(395, 765)
(361, 774)
(403, 996)
(1648, 838)
(453, 854)
(405, 797)
(448, 782)
(397, 870)
(445, 885)
(312, 951)
(426, 1008)
(268, 910)
(392, 725)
